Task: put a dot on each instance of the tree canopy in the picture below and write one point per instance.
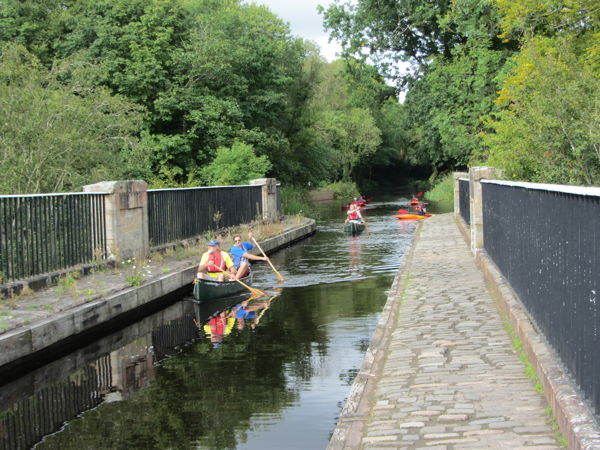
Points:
(509, 82)
(192, 78)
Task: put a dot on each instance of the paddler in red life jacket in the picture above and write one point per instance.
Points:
(353, 214)
(214, 262)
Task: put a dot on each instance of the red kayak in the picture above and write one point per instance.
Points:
(412, 216)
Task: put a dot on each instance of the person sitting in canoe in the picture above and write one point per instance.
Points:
(214, 262)
(241, 256)
(421, 209)
(354, 215)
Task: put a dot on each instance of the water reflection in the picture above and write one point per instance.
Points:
(238, 372)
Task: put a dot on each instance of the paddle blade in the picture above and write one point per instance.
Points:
(402, 211)
(369, 199)
(419, 194)
(344, 208)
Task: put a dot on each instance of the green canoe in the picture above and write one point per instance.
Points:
(354, 227)
(208, 289)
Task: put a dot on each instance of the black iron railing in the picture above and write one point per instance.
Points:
(546, 242)
(175, 214)
(42, 233)
(46, 411)
(464, 202)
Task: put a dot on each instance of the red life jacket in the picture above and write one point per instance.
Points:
(353, 215)
(217, 325)
(219, 261)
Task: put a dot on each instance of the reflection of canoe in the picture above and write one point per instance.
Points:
(208, 289)
(411, 216)
(354, 227)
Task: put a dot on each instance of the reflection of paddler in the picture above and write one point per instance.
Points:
(244, 311)
(218, 327)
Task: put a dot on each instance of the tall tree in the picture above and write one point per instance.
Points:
(56, 136)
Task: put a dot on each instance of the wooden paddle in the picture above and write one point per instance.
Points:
(252, 290)
(265, 309)
(365, 222)
(268, 260)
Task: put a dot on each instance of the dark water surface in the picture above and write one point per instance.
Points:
(277, 380)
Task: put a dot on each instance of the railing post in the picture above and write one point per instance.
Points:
(126, 212)
(456, 176)
(476, 174)
(269, 197)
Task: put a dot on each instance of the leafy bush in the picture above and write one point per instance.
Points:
(296, 200)
(442, 193)
(237, 164)
(343, 189)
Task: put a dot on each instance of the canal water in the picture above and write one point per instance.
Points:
(269, 374)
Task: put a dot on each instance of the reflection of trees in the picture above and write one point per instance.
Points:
(205, 396)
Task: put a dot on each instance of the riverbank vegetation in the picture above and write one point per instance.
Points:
(180, 93)
(509, 83)
(183, 93)
(442, 193)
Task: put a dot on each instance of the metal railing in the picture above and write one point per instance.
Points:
(464, 203)
(47, 232)
(546, 242)
(46, 411)
(175, 214)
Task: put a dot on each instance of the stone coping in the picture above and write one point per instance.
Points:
(28, 340)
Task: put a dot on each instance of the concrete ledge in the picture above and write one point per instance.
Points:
(25, 341)
(320, 195)
(357, 407)
(574, 416)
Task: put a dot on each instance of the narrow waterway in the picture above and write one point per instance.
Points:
(276, 379)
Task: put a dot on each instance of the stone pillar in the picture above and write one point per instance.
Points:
(476, 174)
(126, 212)
(269, 197)
(456, 176)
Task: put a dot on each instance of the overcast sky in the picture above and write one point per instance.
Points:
(304, 21)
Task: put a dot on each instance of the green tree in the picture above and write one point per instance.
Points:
(548, 129)
(237, 164)
(56, 136)
(401, 30)
(353, 134)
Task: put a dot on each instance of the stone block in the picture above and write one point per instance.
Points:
(174, 281)
(52, 330)
(122, 301)
(15, 345)
(147, 293)
(90, 315)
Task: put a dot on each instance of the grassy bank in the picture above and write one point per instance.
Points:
(442, 193)
(296, 200)
(345, 190)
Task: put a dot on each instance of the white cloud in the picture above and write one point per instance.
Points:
(304, 21)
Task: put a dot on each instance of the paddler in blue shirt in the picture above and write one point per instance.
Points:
(241, 255)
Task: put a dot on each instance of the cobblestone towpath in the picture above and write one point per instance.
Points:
(449, 377)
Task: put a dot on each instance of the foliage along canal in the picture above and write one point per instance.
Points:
(273, 376)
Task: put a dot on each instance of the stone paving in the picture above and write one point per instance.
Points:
(451, 378)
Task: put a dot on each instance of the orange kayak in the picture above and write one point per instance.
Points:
(411, 216)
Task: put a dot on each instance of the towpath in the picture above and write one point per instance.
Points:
(447, 376)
